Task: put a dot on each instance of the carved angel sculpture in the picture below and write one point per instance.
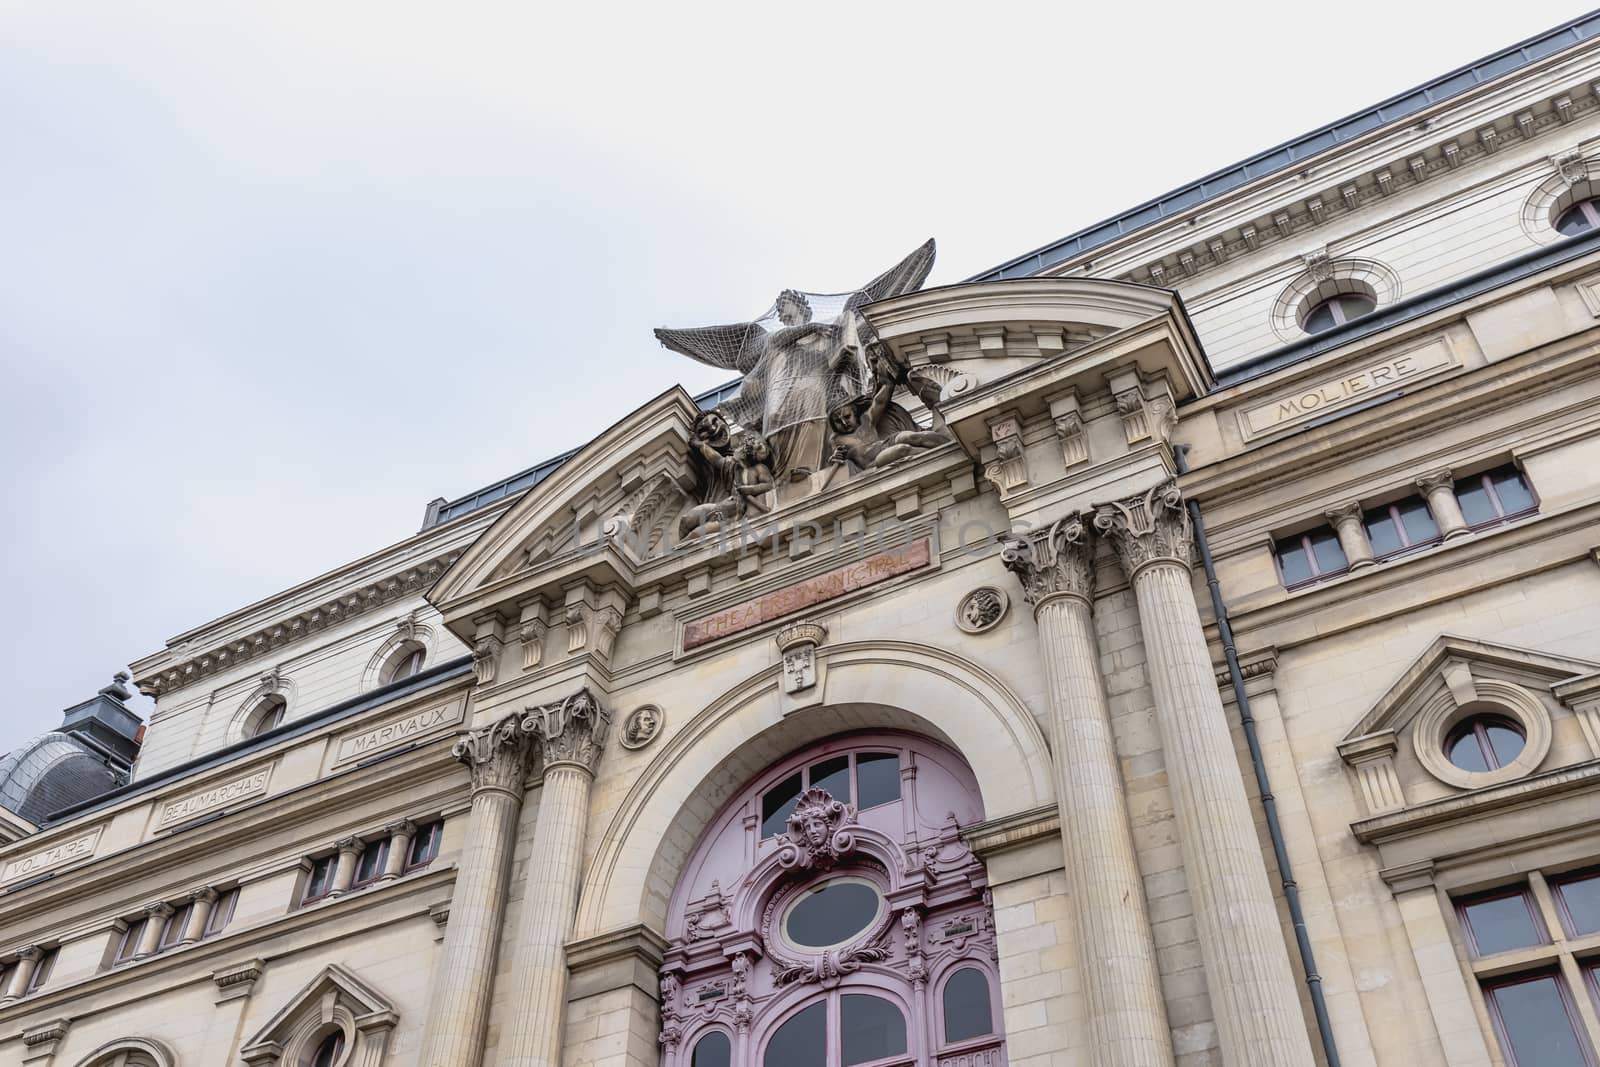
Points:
(807, 347)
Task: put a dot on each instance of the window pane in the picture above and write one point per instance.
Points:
(1418, 520)
(328, 1052)
(1536, 1024)
(1501, 924)
(1330, 557)
(1292, 558)
(370, 865)
(966, 1006)
(1476, 507)
(1582, 898)
(833, 776)
(173, 932)
(222, 912)
(713, 1050)
(832, 913)
(802, 1041)
(1512, 490)
(425, 844)
(778, 803)
(877, 778)
(1382, 533)
(1466, 751)
(1320, 319)
(870, 1028)
(130, 941)
(1505, 741)
(41, 972)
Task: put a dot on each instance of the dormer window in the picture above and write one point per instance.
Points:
(407, 663)
(1337, 310)
(267, 715)
(1485, 743)
(1579, 218)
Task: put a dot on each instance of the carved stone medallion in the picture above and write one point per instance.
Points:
(982, 609)
(641, 726)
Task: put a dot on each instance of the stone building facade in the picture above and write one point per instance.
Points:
(1186, 652)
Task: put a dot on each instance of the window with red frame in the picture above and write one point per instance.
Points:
(1493, 497)
(1401, 527)
(424, 845)
(319, 881)
(1501, 921)
(1578, 901)
(1536, 1022)
(370, 863)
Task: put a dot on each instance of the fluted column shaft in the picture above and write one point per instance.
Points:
(27, 962)
(571, 735)
(1127, 1013)
(1248, 975)
(201, 901)
(459, 1010)
(155, 924)
(400, 835)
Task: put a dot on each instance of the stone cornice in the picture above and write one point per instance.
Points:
(182, 665)
(1478, 804)
(1013, 831)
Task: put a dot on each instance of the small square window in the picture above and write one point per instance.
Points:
(221, 912)
(1401, 527)
(129, 945)
(172, 932)
(41, 972)
(1501, 922)
(319, 881)
(877, 778)
(1310, 557)
(424, 845)
(1494, 497)
(370, 864)
(832, 776)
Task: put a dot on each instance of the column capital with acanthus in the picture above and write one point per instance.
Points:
(1152, 527)
(497, 756)
(1056, 561)
(569, 731)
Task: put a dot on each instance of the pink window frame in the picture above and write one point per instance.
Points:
(1557, 889)
(697, 1036)
(1587, 207)
(433, 827)
(918, 1051)
(1502, 516)
(381, 847)
(1567, 1006)
(1523, 893)
(306, 896)
(804, 770)
(1317, 573)
(942, 1047)
(1406, 544)
(1479, 725)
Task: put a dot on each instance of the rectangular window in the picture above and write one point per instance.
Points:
(172, 932)
(833, 776)
(1493, 497)
(424, 845)
(877, 778)
(369, 865)
(320, 879)
(1310, 557)
(1401, 527)
(130, 941)
(1578, 900)
(221, 912)
(1500, 922)
(1533, 1020)
(41, 973)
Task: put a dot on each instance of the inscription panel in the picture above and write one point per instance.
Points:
(399, 730)
(802, 595)
(60, 854)
(192, 805)
(1313, 399)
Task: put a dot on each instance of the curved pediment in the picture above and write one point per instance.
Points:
(638, 460)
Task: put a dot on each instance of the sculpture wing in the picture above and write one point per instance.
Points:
(734, 347)
(904, 277)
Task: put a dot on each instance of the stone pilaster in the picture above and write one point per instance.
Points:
(27, 962)
(400, 835)
(155, 924)
(570, 734)
(498, 758)
(1127, 1014)
(1248, 974)
(1346, 522)
(201, 901)
(344, 872)
(1439, 489)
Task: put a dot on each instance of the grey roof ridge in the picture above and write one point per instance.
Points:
(1436, 90)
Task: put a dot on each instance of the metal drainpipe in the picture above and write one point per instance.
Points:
(1269, 804)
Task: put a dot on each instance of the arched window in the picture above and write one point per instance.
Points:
(404, 663)
(1336, 310)
(328, 1050)
(266, 715)
(1579, 218)
(831, 916)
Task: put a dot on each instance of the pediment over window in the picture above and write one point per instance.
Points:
(1470, 714)
(336, 1002)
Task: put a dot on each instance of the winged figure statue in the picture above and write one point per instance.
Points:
(804, 350)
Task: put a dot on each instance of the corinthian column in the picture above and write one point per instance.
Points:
(1247, 964)
(570, 735)
(498, 758)
(1118, 961)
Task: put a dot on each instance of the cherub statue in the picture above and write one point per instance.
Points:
(859, 436)
(747, 470)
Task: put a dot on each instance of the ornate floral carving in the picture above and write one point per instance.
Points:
(671, 1031)
(819, 832)
(1150, 528)
(830, 966)
(982, 609)
(1058, 560)
(497, 756)
(486, 658)
(571, 730)
(1009, 469)
(709, 915)
(911, 933)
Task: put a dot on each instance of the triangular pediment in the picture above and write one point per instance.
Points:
(625, 474)
(333, 998)
(1458, 665)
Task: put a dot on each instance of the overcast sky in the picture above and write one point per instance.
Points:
(275, 275)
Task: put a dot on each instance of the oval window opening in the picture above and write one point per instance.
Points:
(831, 913)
